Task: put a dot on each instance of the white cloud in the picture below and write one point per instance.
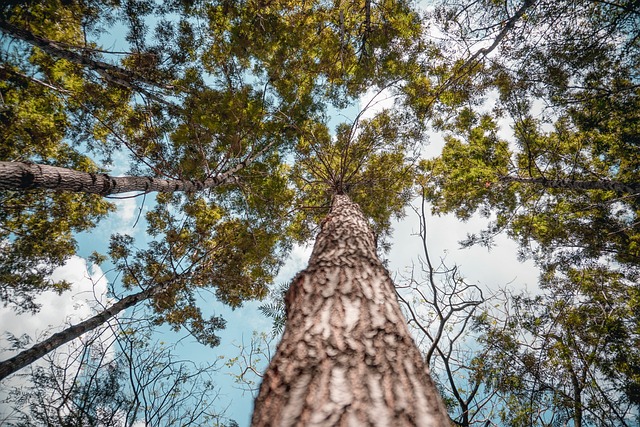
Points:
(375, 101)
(88, 290)
(126, 212)
(87, 295)
(297, 261)
(120, 163)
(490, 269)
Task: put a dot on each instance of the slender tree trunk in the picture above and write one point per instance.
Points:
(346, 356)
(27, 357)
(604, 184)
(24, 176)
(577, 398)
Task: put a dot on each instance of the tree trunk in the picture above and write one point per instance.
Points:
(604, 184)
(27, 357)
(346, 356)
(24, 176)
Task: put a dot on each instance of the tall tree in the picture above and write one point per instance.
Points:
(52, 343)
(568, 355)
(65, 94)
(257, 62)
(346, 355)
(565, 185)
(188, 98)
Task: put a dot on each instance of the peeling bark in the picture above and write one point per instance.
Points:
(346, 356)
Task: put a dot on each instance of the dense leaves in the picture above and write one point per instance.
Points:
(538, 102)
(564, 184)
(550, 157)
(196, 89)
(37, 227)
(371, 160)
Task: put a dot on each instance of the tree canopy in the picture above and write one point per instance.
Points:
(550, 158)
(231, 102)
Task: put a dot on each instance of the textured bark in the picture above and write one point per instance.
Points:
(346, 356)
(27, 357)
(604, 184)
(24, 176)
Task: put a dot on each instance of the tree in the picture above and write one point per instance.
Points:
(561, 197)
(26, 176)
(441, 307)
(231, 249)
(563, 184)
(568, 355)
(29, 356)
(346, 354)
(75, 82)
(204, 113)
(190, 98)
(114, 377)
(568, 176)
(341, 312)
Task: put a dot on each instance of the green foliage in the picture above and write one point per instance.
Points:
(371, 161)
(569, 353)
(561, 80)
(37, 236)
(198, 90)
(36, 227)
(460, 179)
(274, 307)
(586, 133)
(314, 50)
(553, 225)
(203, 246)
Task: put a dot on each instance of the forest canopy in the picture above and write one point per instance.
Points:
(232, 124)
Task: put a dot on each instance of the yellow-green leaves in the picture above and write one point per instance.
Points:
(370, 161)
(236, 91)
(37, 236)
(467, 173)
(201, 245)
(309, 49)
(578, 339)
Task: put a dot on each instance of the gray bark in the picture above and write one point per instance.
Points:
(27, 357)
(346, 356)
(603, 184)
(25, 176)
